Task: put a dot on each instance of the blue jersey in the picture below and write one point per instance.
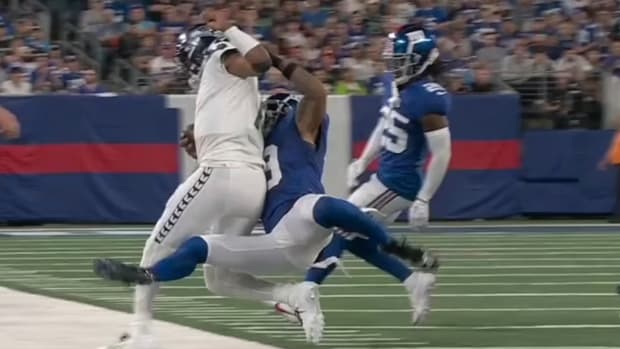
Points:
(294, 168)
(404, 149)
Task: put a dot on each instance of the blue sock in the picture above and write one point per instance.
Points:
(333, 249)
(369, 252)
(331, 212)
(183, 262)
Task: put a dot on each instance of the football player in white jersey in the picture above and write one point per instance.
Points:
(226, 193)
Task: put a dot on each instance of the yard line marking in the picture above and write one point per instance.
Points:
(448, 267)
(60, 287)
(562, 347)
(106, 297)
(198, 275)
(438, 310)
(507, 327)
(481, 310)
(86, 259)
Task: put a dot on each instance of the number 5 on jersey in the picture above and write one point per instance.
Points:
(394, 137)
(273, 173)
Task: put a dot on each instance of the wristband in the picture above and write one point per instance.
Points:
(241, 40)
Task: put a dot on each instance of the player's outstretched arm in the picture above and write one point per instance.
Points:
(437, 135)
(250, 58)
(313, 106)
(9, 126)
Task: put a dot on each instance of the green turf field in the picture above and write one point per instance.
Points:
(496, 290)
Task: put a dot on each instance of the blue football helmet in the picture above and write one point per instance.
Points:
(409, 52)
(192, 46)
(275, 107)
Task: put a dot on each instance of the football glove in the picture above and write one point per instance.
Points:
(355, 169)
(418, 214)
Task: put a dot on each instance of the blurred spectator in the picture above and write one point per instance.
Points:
(492, 53)
(566, 102)
(94, 18)
(510, 35)
(41, 78)
(328, 84)
(433, 16)
(516, 68)
(314, 15)
(612, 63)
(574, 64)
(163, 67)
(5, 36)
(376, 85)
(111, 30)
(172, 21)
(37, 40)
(359, 63)
(456, 46)
(139, 25)
(484, 80)
(71, 76)
(348, 84)
(91, 84)
(17, 84)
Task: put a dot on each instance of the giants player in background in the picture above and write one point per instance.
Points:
(412, 125)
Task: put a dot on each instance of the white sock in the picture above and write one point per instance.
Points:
(144, 297)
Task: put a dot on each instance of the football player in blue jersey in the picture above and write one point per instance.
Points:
(413, 124)
(298, 217)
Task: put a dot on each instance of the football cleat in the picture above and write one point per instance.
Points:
(305, 298)
(114, 270)
(420, 286)
(418, 257)
(287, 312)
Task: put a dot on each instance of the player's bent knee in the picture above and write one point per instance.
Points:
(329, 211)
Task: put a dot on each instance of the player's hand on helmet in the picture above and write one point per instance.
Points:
(187, 141)
(418, 214)
(356, 168)
(219, 17)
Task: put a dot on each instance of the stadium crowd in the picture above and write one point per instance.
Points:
(552, 52)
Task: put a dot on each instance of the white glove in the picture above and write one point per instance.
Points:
(355, 169)
(418, 214)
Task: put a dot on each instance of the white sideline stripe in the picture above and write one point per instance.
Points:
(33, 321)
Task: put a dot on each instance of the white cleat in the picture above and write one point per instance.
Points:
(132, 342)
(305, 298)
(420, 286)
(287, 312)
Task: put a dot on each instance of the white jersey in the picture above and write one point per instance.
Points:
(227, 108)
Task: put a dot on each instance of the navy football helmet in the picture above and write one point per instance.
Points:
(276, 107)
(192, 47)
(409, 52)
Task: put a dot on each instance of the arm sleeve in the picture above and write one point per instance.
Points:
(440, 147)
(373, 146)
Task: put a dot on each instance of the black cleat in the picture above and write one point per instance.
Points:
(418, 257)
(618, 289)
(113, 270)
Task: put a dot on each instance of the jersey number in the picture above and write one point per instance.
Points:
(273, 173)
(394, 137)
